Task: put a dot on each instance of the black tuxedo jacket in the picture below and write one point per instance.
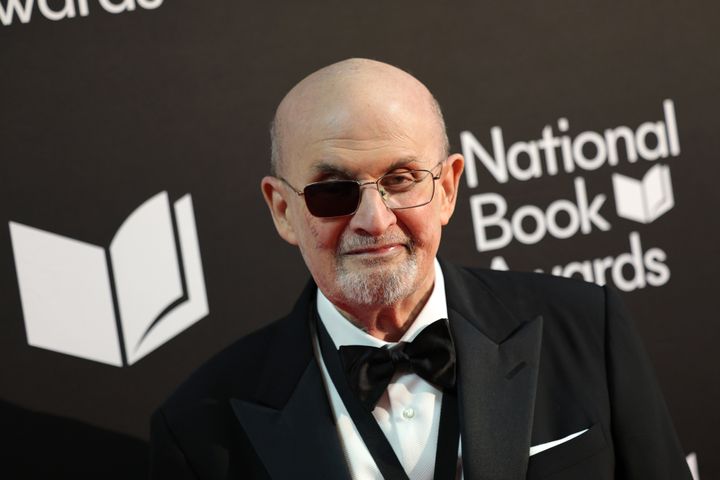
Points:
(539, 358)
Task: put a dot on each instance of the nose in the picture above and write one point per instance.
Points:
(372, 217)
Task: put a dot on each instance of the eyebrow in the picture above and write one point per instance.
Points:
(325, 169)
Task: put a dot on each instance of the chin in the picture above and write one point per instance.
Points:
(381, 284)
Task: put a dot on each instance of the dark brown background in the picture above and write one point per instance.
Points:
(100, 113)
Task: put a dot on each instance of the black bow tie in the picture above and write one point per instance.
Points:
(431, 355)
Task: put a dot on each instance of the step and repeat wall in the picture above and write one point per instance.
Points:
(134, 134)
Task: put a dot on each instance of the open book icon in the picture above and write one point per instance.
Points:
(113, 306)
(644, 200)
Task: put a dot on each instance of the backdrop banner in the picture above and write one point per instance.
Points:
(137, 244)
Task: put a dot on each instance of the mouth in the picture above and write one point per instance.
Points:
(377, 250)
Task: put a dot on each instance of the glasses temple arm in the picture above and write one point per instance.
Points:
(291, 187)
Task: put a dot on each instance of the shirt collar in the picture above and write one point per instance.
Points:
(343, 332)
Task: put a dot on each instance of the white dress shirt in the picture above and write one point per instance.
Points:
(409, 410)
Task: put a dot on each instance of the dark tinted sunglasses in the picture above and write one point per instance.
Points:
(399, 189)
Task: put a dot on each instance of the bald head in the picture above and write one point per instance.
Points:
(350, 99)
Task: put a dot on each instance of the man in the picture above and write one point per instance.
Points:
(530, 377)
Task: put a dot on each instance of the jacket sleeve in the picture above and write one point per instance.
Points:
(167, 460)
(646, 445)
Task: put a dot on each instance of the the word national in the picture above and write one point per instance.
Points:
(589, 150)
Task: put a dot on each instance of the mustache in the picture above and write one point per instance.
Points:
(355, 242)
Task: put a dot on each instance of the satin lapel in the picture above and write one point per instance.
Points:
(288, 420)
(498, 358)
(497, 396)
(300, 440)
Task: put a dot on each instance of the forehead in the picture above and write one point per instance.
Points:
(365, 142)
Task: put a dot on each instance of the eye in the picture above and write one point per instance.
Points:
(400, 181)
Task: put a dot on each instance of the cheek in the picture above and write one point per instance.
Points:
(423, 228)
(322, 234)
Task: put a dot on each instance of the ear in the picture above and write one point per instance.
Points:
(448, 184)
(274, 192)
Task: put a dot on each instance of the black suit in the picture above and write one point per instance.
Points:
(539, 358)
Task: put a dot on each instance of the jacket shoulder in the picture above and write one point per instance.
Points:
(210, 380)
(250, 366)
(524, 293)
(510, 283)
(515, 286)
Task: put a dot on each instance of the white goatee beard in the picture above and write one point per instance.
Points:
(378, 285)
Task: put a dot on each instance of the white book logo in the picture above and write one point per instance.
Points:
(644, 200)
(70, 289)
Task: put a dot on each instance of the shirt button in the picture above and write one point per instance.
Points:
(408, 413)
